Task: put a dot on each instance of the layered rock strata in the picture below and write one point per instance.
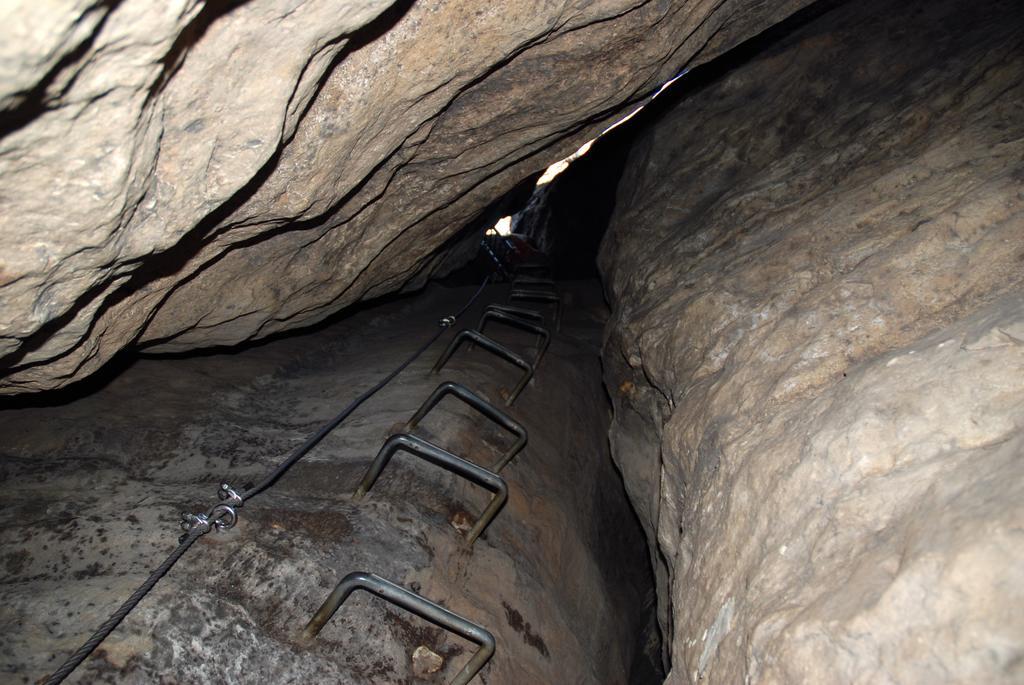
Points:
(189, 174)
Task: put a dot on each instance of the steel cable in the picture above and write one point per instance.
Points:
(72, 662)
(186, 541)
(312, 441)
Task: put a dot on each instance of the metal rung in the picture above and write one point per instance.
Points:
(488, 344)
(525, 291)
(529, 281)
(415, 445)
(535, 287)
(518, 322)
(410, 601)
(481, 405)
(521, 312)
(531, 295)
(531, 288)
(542, 264)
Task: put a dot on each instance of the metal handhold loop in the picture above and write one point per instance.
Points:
(483, 341)
(523, 323)
(481, 405)
(521, 312)
(223, 517)
(418, 447)
(412, 602)
(533, 294)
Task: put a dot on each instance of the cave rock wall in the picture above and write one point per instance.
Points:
(816, 356)
(186, 174)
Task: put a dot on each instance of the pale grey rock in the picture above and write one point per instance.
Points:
(815, 356)
(180, 174)
(92, 489)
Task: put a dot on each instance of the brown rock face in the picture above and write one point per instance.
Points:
(817, 353)
(181, 174)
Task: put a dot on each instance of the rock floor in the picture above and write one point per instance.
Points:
(93, 488)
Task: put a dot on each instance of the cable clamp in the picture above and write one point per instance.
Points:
(229, 496)
(220, 517)
(447, 322)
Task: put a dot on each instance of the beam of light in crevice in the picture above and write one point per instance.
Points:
(503, 227)
(558, 167)
(505, 224)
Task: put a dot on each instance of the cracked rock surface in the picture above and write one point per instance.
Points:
(186, 174)
(816, 352)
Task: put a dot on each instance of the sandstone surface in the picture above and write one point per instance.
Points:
(186, 174)
(816, 355)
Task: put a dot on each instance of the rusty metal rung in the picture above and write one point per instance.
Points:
(519, 322)
(467, 335)
(412, 602)
(417, 446)
(481, 405)
(532, 295)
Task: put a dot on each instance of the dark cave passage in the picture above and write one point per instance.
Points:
(740, 401)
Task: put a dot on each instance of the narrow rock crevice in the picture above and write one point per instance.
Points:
(776, 438)
(801, 243)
